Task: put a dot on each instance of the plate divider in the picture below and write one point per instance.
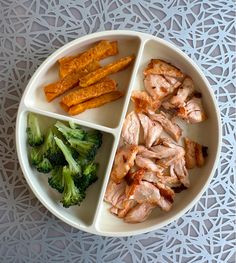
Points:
(118, 130)
(69, 118)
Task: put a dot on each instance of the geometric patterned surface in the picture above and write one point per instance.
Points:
(32, 30)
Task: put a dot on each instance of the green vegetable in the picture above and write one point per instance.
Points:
(49, 150)
(89, 176)
(52, 151)
(56, 180)
(74, 125)
(95, 137)
(44, 166)
(68, 153)
(71, 194)
(73, 165)
(68, 132)
(85, 149)
(34, 134)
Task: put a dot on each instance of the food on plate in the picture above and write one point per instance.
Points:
(95, 102)
(192, 111)
(68, 152)
(183, 93)
(94, 53)
(139, 213)
(86, 80)
(148, 164)
(161, 67)
(34, 133)
(124, 160)
(130, 130)
(195, 153)
(80, 95)
(159, 87)
(169, 126)
(68, 82)
(102, 72)
(151, 165)
(151, 129)
(64, 63)
(144, 102)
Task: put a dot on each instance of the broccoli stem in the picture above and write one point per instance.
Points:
(74, 166)
(34, 134)
(70, 132)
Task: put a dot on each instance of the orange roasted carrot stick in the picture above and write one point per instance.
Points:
(64, 63)
(95, 102)
(94, 53)
(53, 90)
(102, 72)
(81, 95)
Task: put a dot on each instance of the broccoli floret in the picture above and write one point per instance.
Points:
(95, 137)
(34, 134)
(36, 155)
(85, 149)
(74, 125)
(69, 132)
(56, 180)
(52, 151)
(49, 150)
(71, 194)
(82, 161)
(89, 176)
(73, 164)
(44, 166)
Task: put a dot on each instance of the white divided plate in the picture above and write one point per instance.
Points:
(93, 215)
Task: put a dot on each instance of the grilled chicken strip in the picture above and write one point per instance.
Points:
(178, 169)
(190, 156)
(143, 102)
(183, 93)
(131, 127)
(151, 130)
(115, 193)
(147, 192)
(194, 153)
(171, 181)
(171, 128)
(128, 204)
(139, 213)
(192, 111)
(124, 160)
(200, 150)
(114, 210)
(148, 153)
(160, 67)
(159, 87)
(168, 152)
(148, 164)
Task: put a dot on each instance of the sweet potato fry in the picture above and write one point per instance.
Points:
(81, 95)
(64, 63)
(94, 53)
(105, 71)
(55, 89)
(95, 102)
(64, 107)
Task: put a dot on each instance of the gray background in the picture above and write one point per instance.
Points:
(30, 30)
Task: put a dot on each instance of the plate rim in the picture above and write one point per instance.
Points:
(92, 228)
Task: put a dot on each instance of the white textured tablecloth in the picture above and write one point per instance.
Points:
(30, 30)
